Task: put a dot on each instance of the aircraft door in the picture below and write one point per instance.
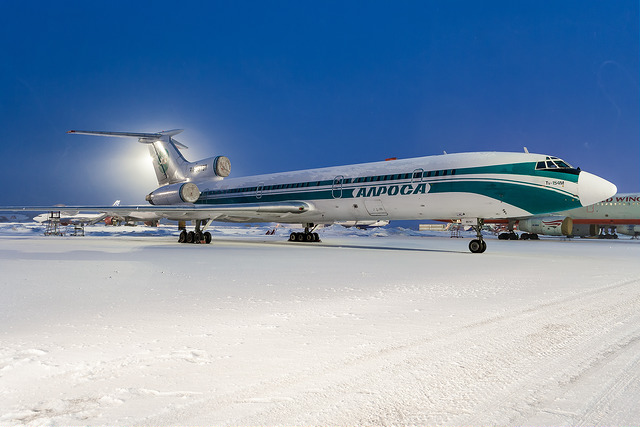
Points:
(259, 190)
(336, 188)
(417, 174)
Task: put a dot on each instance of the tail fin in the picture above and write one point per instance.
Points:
(170, 166)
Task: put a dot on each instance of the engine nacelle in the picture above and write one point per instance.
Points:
(550, 226)
(174, 194)
(630, 229)
(210, 167)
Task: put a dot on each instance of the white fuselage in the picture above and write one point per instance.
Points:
(478, 185)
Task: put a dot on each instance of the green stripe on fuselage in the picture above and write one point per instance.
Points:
(530, 198)
(535, 200)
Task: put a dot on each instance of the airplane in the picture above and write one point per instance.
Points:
(620, 212)
(13, 218)
(72, 217)
(471, 187)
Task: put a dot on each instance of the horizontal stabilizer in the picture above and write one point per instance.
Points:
(145, 138)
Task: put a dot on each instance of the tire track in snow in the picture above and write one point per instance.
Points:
(624, 386)
(446, 377)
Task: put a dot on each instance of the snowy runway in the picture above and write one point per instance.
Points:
(252, 330)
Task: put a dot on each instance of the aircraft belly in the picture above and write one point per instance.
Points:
(470, 205)
(428, 206)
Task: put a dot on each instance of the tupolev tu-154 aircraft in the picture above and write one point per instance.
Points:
(471, 187)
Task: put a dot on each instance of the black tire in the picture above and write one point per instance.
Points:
(484, 246)
(207, 237)
(308, 237)
(292, 237)
(316, 237)
(300, 237)
(183, 237)
(475, 246)
(190, 237)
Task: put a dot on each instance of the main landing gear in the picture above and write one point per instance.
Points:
(308, 235)
(196, 236)
(478, 246)
(510, 234)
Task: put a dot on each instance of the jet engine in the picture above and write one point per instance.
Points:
(210, 168)
(182, 192)
(630, 229)
(550, 226)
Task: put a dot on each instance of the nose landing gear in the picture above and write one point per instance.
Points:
(478, 246)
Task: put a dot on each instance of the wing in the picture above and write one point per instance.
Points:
(245, 212)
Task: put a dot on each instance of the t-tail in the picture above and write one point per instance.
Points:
(169, 164)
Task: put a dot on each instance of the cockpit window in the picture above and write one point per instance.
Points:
(553, 163)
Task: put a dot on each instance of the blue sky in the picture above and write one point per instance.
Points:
(291, 85)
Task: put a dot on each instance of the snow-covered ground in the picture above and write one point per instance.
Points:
(384, 327)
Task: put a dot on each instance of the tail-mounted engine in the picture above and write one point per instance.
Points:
(550, 226)
(209, 168)
(173, 194)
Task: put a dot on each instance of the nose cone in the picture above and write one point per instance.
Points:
(593, 189)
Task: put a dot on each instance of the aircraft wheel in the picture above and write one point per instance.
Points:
(484, 246)
(190, 237)
(183, 237)
(316, 237)
(207, 237)
(524, 236)
(476, 246)
(308, 237)
(292, 237)
(300, 237)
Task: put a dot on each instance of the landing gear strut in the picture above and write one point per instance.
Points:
(307, 236)
(196, 236)
(510, 235)
(478, 246)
